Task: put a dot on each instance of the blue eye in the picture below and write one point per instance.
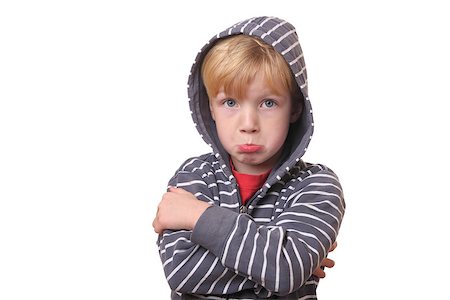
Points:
(230, 103)
(269, 103)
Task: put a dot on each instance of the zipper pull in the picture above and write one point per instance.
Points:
(243, 209)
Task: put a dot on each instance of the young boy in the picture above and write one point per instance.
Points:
(251, 220)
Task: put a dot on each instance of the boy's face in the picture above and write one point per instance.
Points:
(253, 129)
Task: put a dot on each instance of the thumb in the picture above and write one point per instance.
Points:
(333, 247)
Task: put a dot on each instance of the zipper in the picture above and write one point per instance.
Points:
(242, 208)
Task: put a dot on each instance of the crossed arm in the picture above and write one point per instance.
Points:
(180, 210)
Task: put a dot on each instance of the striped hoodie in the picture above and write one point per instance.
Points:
(269, 247)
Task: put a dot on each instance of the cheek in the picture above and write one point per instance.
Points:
(224, 132)
(278, 131)
(280, 121)
(280, 135)
(225, 138)
(223, 127)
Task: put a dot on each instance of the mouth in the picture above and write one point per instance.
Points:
(249, 148)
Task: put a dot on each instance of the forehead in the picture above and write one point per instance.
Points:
(260, 83)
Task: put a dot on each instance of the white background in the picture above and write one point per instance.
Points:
(94, 121)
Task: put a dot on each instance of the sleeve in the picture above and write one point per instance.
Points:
(230, 252)
(189, 267)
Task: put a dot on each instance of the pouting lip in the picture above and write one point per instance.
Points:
(249, 148)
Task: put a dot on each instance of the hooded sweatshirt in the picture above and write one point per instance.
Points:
(269, 247)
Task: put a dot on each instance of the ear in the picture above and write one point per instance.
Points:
(211, 111)
(296, 111)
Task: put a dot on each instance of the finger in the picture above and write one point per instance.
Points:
(333, 246)
(157, 228)
(319, 273)
(154, 224)
(326, 262)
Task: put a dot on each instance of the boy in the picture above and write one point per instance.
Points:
(250, 220)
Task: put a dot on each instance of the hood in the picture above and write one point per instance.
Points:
(283, 37)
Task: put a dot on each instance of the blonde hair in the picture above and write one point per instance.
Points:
(232, 64)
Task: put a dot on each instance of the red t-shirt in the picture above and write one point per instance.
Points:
(248, 183)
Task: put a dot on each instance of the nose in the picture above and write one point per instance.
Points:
(249, 122)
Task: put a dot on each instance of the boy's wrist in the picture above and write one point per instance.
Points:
(200, 208)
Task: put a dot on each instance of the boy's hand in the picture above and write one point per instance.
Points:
(178, 209)
(326, 263)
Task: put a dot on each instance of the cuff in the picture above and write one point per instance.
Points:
(213, 229)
